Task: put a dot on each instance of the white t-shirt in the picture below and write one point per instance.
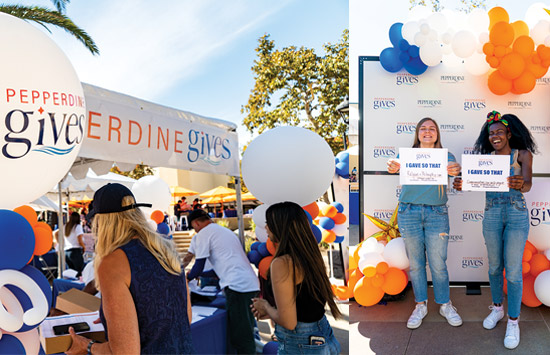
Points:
(226, 254)
(88, 275)
(207, 265)
(72, 240)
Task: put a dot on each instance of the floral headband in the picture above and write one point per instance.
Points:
(494, 117)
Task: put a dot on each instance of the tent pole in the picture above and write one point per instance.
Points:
(240, 209)
(60, 235)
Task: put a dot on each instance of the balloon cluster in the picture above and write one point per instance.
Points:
(375, 269)
(157, 217)
(402, 54)
(329, 219)
(25, 293)
(512, 53)
(342, 164)
(536, 276)
(261, 254)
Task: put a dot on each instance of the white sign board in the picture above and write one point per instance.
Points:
(423, 166)
(485, 172)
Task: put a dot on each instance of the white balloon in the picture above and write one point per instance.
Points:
(547, 254)
(14, 308)
(376, 247)
(446, 49)
(438, 21)
(152, 224)
(258, 216)
(261, 233)
(540, 31)
(542, 287)
(288, 164)
(478, 21)
(425, 29)
(476, 64)
(368, 246)
(409, 30)
(340, 229)
(431, 53)
(395, 254)
(539, 240)
(547, 41)
(420, 39)
(446, 38)
(432, 36)
(152, 189)
(369, 260)
(483, 38)
(30, 340)
(464, 44)
(43, 113)
(535, 13)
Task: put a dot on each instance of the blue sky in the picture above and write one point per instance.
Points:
(194, 55)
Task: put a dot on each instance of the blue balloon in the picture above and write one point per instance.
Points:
(416, 66)
(413, 51)
(262, 249)
(310, 220)
(255, 245)
(270, 348)
(11, 345)
(404, 57)
(389, 58)
(339, 239)
(339, 206)
(22, 297)
(317, 233)
(342, 169)
(16, 240)
(343, 157)
(395, 33)
(326, 223)
(163, 228)
(254, 257)
(404, 45)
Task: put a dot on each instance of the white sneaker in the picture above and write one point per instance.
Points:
(497, 313)
(448, 311)
(511, 339)
(417, 315)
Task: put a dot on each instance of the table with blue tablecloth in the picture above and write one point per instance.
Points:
(210, 334)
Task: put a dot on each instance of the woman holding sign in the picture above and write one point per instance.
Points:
(506, 218)
(423, 221)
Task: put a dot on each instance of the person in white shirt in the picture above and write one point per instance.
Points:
(74, 245)
(224, 251)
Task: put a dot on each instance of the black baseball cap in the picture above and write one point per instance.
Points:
(195, 214)
(108, 199)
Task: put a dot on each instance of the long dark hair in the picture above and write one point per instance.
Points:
(521, 137)
(74, 219)
(437, 143)
(290, 227)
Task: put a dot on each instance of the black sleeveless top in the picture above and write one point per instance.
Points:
(308, 310)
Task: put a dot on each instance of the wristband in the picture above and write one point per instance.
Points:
(92, 342)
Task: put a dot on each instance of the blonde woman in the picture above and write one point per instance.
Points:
(145, 302)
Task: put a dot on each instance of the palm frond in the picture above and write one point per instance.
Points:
(44, 16)
(60, 5)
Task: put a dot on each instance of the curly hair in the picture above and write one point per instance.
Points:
(521, 137)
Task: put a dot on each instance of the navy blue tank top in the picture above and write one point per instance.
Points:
(161, 304)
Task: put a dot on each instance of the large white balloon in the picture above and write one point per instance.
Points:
(431, 53)
(409, 30)
(288, 164)
(369, 260)
(478, 21)
(535, 13)
(42, 113)
(438, 22)
(540, 31)
(541, 241)
(152, 189)
(542, 287)
(261, 233)
(395, 254)
(464, 44)
(258, 216)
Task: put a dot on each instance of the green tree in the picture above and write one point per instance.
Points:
(44, 16)
(139, 171)
(295, 86)
(465, 5)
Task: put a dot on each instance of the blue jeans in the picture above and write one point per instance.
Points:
(425, 230)
(505, 229)
(297, 341)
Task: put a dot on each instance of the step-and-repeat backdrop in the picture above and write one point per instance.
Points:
(390, 106)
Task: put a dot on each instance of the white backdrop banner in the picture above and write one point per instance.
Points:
(392, 104)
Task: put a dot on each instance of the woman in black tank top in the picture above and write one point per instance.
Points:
(299, 283)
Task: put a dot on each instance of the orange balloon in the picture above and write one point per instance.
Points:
(356, 253)
(354, 276)
(29, 213)
(498, 84)
(339, 218)
(511, 66)
(543, 52)
(525, 83)
(545, 63)
(493, 61)
(488, 49)
(369, 271)
(157, 216)
(395, 281)
(342, 292)
(366, 294)
(382, 268)
(536, 69)
(329, 211)
(328, 236)
(352, 262)
(528, 297)
(312, 209)
(271, 247)
(530, 246)
(527, 255)
(496, 15)
(378, 280)
(502, 34)
(43, 240)
(263, 266)
(500, 51)
(525, 267)
(535, 58)
(520, 28)
(539, 263)
(524, 46)
(316, 222)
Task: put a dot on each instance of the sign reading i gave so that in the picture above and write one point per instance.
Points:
(423, 166)
(485, 172)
